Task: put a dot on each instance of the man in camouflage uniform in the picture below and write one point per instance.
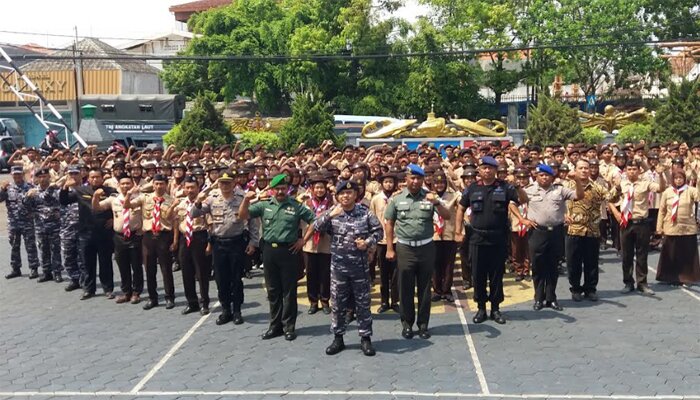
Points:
(43, 201)
(20, 223)
(353, 231)
(70, 218)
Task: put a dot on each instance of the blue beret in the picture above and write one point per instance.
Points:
(545, 169)
(487, 160)
(73, 169)
(345, 185)
(17, 169)
(413, 169)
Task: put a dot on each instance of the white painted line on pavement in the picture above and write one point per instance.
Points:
(688, 292)
(470, 343)
(171, 352)
(396, 393)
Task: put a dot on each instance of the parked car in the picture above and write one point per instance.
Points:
(10, 128)
(7, 148)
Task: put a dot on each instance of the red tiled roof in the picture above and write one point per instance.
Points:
(199, 5)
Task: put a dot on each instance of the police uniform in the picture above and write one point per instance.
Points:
(20, 225)
(157, 238)
(229, 238)
(546, 207)
(415, 253)
(47, 223)
(280, 230)
(488, 237)
(70, 220)
(349, 265)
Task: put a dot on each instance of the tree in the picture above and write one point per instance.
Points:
(552, 121)
(269, 140)
(311, 123)
(203, 123)
(634, 133)
(679, 117)
(591, 136)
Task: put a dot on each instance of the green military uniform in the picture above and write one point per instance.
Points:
(280, 229)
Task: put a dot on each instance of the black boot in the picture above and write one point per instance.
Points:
(47, 276)
(337, 346)
(366, 345)
(224, 318)
(14, 274)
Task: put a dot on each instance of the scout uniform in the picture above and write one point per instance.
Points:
(520, 260)
(445, 245)
(317, 254)
(388, 277)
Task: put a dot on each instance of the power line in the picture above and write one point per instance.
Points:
(83, 37)
(334, 57)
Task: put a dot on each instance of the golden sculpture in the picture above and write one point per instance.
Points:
(257, 124)
(611, 119)
(433, 127)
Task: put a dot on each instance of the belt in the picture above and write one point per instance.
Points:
(230, 239)
(415, 243)
(275, 245)
(638, 221)
(161, 232)
(548, 228)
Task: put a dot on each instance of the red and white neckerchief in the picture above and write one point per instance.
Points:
(156, 214)
(438, 223)
(676, 201)
(627, 206)
(319, 207)
(522, 228)
(653, 176)
(126, 215)
(188, 221)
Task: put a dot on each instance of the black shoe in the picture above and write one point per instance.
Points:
(248, 275)
(313, 309)
(576, 297)
(58, 278)
(272, 333)
(150, 304)
(33, 274)
(13, 274)
(73, 285)
(237, 318)
(537, 306)
(383, 308)
(528, 278)
(87, 295)
(497, 317)
(45, 278)
(169, 304)
(337, 346)
(435, 297)
(396, 308)
(224, 318)
(645, 289)
(519, 278)
(592, 296)
(190, 309)
(627, 289)
(554, 305)
(366, 346)
(449, 298)
(204, 310)
(407, 333)
(423, 333)
(467, 285)
(326, 309)
(109, 295)
(289, 336)
(480, 316)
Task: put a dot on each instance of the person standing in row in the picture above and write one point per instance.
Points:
(468, 177)
(127, 224)
(20, 224)
(190, 241)
(70, 224)
(546, 209)
(353, 231)
(519, 254)
(388, 280)
(230, 243)
(445, 245)
(635, 232)
(409, 216)
(317, 248)
(43, 201)
(157, 216)
(489, 201)
(280, 216)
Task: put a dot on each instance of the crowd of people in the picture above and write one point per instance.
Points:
(341, 216)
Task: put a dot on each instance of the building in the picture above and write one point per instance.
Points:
(56, 78)
(184, 11)
(164, 44)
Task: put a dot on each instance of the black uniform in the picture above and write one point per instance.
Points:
(488, 237)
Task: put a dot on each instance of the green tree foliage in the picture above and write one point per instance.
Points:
(203, 123)
(311, 123)
(633, 133)
(679, 117)
(591, 136)
(269, 140)
(552, 121)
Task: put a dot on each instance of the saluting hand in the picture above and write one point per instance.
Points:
(250, 195)
(5, 185)
(335, 211)
(201, 197)
(432, 197)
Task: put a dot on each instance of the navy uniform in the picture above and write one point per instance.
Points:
(47, 223)
(349, 266)
(70, 220)
(488, 237)
(20, 224)
(229, 238)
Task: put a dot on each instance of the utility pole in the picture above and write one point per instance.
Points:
(78, 84)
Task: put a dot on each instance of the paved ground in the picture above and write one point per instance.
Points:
(625, 346)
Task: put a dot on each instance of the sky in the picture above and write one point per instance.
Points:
(129, 19)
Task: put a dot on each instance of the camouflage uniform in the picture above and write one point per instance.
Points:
(20, 223)
(349, 265)
(47, 223)
(70, 217)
